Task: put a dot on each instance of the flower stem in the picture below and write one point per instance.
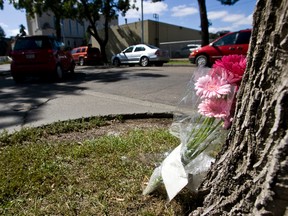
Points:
(198, 139)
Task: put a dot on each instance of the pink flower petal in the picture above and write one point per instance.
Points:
(218, 108)
(212, 87)
(235, 66)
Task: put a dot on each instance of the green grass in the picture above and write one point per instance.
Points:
(179, 62)
(104, 175)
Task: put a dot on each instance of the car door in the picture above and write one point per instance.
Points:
(242, 42)
(126, 54)
(226, 45)
(137, 54)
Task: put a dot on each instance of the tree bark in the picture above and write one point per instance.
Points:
(250, 175)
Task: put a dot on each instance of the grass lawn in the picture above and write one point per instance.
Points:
(179, 62)
(83, 167)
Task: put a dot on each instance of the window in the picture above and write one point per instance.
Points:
(129, 49)
(227, 40)
(139, 49)
(244, 37)
(77, 28)
(31, 43)
(70, 27)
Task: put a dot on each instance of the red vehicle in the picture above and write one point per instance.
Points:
(87, 55)
(230, 43)
(40, 55)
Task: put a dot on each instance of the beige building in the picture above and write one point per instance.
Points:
(73, 32)
(163, 35)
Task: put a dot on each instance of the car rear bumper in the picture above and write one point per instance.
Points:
(160, 59)
(36, 69)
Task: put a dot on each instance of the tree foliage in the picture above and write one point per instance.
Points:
(92, 11)
(61, 9)
(228, 2)
(22, 31)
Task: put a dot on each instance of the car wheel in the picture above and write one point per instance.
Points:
(144, 61)
(59, 73)
(116, 62)
(81, 61)
(72, 68)
(201, 61)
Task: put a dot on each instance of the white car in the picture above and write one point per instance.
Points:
(141, 54)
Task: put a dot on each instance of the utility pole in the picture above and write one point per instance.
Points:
(142, 23)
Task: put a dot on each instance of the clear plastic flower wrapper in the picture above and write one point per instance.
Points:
(201, 123)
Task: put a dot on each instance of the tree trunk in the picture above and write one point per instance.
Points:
(250, 175)
(58, 27)
(204, 23)
(102, 42)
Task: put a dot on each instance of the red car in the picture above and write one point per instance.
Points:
(40, 55)
(87, 55)
(230, 43)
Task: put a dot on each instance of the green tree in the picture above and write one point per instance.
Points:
(22, 30)
(61, 9)
(93, 10)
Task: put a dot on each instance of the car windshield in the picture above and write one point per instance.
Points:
(32, 43)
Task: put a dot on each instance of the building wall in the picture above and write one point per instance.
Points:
(163, 35)
(73, 32)
(168, 33)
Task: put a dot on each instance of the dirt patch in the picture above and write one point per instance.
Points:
(115, 127)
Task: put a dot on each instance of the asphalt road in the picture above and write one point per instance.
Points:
(92, 91)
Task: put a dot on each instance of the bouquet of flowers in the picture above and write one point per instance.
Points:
(201, 122)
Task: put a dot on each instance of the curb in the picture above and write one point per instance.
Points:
(121, 117)
(139, 116)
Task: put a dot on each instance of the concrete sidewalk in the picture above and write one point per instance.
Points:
(46, 110)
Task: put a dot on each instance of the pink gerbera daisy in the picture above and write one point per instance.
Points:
(225, 75)
(211, 87)
(218, 108)
(234, 64)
